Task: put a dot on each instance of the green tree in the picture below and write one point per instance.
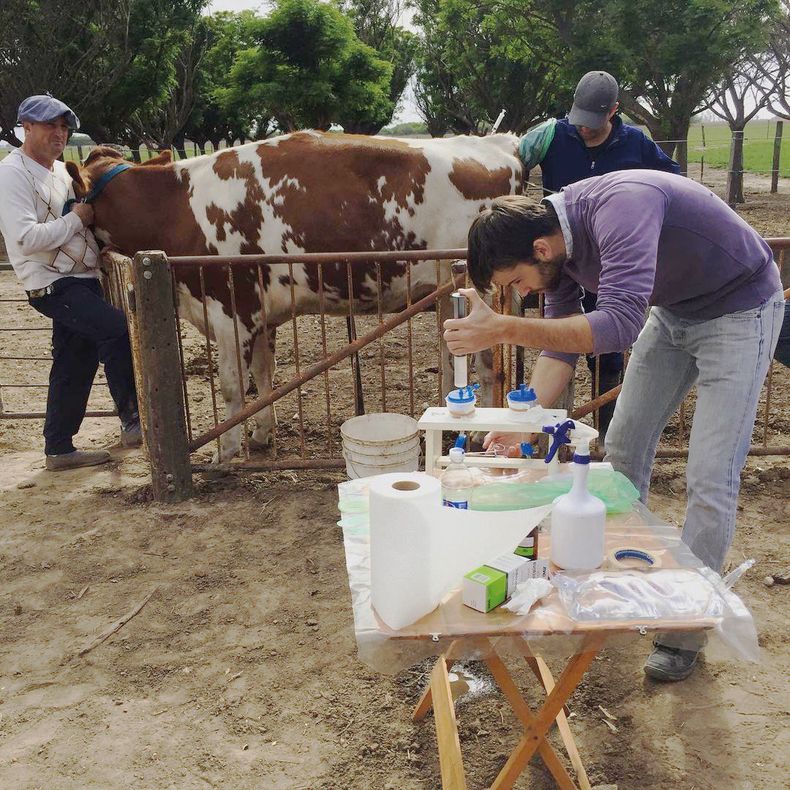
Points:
(210, 121)
(49, 46)
(308, 69)
(476, 59)
(156, 60)
(114, 62)
(377, 24)
(666, 54)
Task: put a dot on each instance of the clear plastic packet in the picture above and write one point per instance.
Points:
(682, 595)
(660, 594)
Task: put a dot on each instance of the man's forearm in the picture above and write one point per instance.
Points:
(572, 334)
(549, 378)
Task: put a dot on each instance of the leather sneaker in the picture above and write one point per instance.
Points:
(668, 664)
(131, 434)
(77, 459)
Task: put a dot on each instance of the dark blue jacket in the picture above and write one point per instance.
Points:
(568, 159)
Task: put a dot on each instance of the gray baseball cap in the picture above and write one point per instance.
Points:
(593, 100)
(46, 108)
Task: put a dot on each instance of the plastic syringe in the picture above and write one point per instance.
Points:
(460, 373)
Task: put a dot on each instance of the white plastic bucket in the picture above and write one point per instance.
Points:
(375, 444)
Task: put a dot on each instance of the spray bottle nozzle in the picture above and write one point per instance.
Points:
(561, 433)
(571, 432)
(460, 442)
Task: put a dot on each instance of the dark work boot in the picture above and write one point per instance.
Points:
(131, 434)
(668, 664)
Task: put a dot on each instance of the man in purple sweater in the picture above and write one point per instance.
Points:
(642, 239)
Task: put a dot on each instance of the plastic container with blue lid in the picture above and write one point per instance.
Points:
(462, 402)
(522, 400)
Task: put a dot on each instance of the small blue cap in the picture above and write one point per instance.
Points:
(523, 394)
(46, 108)
(527, 450)
(460, 442)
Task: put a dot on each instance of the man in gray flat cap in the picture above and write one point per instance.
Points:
(56, 259)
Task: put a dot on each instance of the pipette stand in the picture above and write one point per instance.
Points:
(438, 419)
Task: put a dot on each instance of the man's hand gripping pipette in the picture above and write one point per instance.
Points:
(476, 331)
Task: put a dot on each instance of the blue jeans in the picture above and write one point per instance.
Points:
(728, 359)
(86, 330)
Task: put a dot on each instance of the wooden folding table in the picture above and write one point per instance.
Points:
(468, 632)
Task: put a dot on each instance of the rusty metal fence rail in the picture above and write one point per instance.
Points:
(400, 371)
(311, 440)
(23, 371)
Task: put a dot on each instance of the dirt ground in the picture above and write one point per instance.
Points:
(241, 670)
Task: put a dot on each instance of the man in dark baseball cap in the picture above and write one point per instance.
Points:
(43, 108)
(592, 141)
(594, 101)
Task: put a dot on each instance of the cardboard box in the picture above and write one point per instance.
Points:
(515, 567)
(537, 569)
(484, 588)
(529, 546)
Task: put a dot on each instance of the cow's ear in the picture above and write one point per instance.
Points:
(73, 170)
(163, 158)
(101, 151)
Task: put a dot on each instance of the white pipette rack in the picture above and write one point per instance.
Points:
(437, 419)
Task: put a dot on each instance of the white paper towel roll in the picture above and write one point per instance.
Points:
(420, 550)
(404, 509)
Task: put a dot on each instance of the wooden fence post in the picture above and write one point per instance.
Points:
(777, 152)
(160, 392)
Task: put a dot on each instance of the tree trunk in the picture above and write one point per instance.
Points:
(9, 136)
(735, 170)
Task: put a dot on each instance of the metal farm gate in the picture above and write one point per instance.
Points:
(26, 356)
(397, 358)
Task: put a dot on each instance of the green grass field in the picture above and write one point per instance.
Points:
(758, 146)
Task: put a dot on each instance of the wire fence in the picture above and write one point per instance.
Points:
(708, 145)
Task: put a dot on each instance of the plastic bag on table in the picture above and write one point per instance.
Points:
(661, 594)
(614, 489)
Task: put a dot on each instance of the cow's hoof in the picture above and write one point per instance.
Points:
(225, 456)
(258, 443)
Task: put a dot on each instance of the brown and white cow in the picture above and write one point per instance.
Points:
(303, 192)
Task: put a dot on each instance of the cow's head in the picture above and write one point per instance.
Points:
(116, 209)
(99, 161)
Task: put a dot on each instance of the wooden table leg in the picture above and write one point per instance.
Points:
(424, 705)
(513, 695)
(450, 760)
(543, 672)
(532, 663)
(535, 733)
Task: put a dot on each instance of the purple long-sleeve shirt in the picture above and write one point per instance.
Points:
(641, 237)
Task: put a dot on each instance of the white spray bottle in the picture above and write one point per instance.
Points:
(578, 520)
